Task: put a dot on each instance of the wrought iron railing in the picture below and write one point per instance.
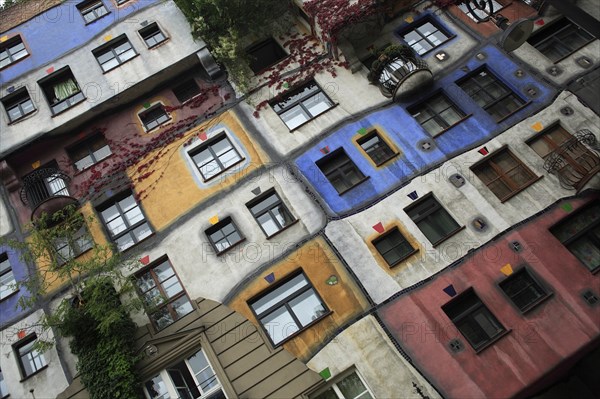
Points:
(573, 162)
(396, 72)
(42, 184)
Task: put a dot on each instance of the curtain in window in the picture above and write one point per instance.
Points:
(65, 89)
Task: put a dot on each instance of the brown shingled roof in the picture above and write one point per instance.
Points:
(24, 11)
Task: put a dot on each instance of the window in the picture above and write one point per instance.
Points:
(302, 105)
(163, 295)
(270, 213)
(7, 278)
(437, 114)
(18, 104)
(92, 10)
(61, 90)
(3, 387)
(376, 148)
(125, 221)
(580, 233)
(393, 247)
(490, 94)
(432, 219)
(89, 152)
(215, 157)
(480, 13)
(288, 308)
(473, 319)
(114, 53)
(224, 235)
(341, 172)
(265, 54)
(186, 91)
(560, 39)
(69, 246)
(152, 35)
(121, 2)
(351, 386)
(31, 360)
(12, 50)
(425, 36)
(154, 117)
(523, 290)
(504, 174)
(193, 377)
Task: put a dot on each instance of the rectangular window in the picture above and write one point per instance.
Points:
(125, 221)
(270, 213)
(376, 148)
(432, 219)
(437, 114)
(12, 50)
(425, 36)
(163, 295)
(193, 377)
(154, 117)
(481, 13)
(186, 91)
(215, 157)
(350, 386)
(18, 105)
(7, 278)
(473, 319)
(61, 90)
(288, 308)
(580, 233)
(89, 152)
(152, 35)
(92, 10)
(560, 39)
(523, 290)
(224, 235)
(490, 94)
(393, 247)
(31, 360)
(71, 246)
(3, 387)
(114, 53)
(302, 105)
(504, 174)
(265, 54)
(341, 172)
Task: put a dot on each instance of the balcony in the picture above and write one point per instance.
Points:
(45, 191)
(399, 73)
(573, 163)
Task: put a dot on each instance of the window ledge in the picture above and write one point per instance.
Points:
(493, 341)
(536, 303)
(312, 119)
(36, 372)
(120, 65)
(308, 326)
(405, 257)
(364, 179)
(464, 118)
(451, 234)
(514, 193)
(380, 164)
(505, 117)
(283, 229)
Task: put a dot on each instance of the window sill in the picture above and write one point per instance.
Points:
(408, 255)
(364, 179)
(380, 164)
(493, 341)
(313, 118)
(229, 248)
(505, 117)
(19, 119)
(283, 229)
(15, 292)
(223, 171)
(308, 326)
(451, 234)
(34, 373)
(536, 303)
(464, 118)
(121, 64)
(514, 193)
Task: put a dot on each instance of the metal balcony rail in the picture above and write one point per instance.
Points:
(573, 163)
(42, 184)
(396, 72)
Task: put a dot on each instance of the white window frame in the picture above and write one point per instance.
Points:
(333, 384)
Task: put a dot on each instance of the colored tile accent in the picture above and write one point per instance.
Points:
(214, 220)
(379, 228)
(537, 126)
(36, 164)
(270, 278)
(450, 290)
(145, 260)
(507, 269)
(325, 373)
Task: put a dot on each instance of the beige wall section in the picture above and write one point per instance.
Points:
(176, 185)
(318, 263)
(365, 347)
(245, 365)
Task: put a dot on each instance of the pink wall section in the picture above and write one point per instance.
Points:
(537, 341)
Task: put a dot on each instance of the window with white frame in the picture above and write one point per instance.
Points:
(154, 116)
(302, 105)
(348, 386)
(193, 377)
(215, 156)
(31, 360)
(425, 36)
(114, 53)
(7, 277)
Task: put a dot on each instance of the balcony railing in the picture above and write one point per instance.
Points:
(573, 163)
(45, 191)
(401, 76)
